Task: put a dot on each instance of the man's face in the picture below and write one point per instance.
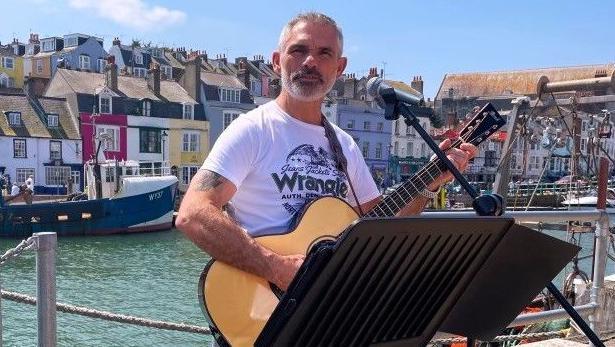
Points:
(309, 61)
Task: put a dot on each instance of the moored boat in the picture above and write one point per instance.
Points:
(128, 197)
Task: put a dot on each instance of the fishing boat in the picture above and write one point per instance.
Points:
(120, 197)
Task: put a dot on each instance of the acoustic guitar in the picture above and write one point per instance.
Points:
(238, 304)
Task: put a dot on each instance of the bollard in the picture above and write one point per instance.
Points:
(46, 243)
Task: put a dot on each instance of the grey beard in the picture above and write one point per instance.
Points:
(312, 93)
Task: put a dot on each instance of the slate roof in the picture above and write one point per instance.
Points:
(221, 80)
(33, 124)
(520, 82)
(132, 87)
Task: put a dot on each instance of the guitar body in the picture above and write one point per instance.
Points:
(238, 303)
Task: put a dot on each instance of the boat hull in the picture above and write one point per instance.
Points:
(150, 210)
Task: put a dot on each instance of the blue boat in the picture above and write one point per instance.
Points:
(129, 197)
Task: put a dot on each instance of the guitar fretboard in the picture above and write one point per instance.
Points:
(410, 189)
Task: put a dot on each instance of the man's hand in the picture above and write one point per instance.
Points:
(458, 156)
(286, 269)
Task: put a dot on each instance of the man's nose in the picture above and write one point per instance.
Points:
(310, 60)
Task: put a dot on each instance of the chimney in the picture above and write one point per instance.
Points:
(242, 73)
(417, 84)
(33, 38)
(373, 72)
(116, 41)
(191, 79)
(153, 78)
(111, 73)
(350, 86)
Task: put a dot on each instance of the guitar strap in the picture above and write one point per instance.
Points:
(340, 158)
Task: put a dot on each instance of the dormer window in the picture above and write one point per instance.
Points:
(188, 112)
(52, 120)
(71, 41)
(14, 119)
(139, 59)
(167, 71)
(84, 62)
(229, 95)
(48, 45)
(146, 109)
(8, 63)
(105, 104)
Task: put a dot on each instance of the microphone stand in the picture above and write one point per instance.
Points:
(484, 205)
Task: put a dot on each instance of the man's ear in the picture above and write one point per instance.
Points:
(341, 65)
(275, 59)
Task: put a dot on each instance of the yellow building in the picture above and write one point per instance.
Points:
(188, 147)
(11, 68)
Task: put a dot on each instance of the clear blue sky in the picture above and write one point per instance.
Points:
(406, 38)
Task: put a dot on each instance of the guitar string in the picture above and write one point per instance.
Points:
(396, 195)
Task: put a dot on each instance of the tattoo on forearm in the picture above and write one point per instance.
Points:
(208, 180)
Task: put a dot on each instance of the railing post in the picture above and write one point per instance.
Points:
(46, 243)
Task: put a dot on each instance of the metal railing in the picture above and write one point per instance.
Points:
(601, 236)
(45, 245)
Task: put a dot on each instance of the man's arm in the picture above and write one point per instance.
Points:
(201, 219)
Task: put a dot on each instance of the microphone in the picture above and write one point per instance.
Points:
(384, 93)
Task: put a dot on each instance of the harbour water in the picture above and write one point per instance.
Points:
(149, 275)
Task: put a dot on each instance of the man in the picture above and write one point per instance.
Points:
(271, 161)
(30, 183)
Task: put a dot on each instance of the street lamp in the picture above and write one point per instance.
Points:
(164, 137)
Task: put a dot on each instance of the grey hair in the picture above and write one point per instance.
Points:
(311, 17)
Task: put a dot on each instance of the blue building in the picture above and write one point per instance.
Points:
(80, 52)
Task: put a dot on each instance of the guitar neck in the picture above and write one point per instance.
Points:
(410, 189)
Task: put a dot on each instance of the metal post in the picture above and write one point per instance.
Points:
(601, 244)
(46, 243)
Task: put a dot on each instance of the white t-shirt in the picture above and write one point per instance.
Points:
(279, 163)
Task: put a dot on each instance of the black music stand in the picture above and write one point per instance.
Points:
(395, 282)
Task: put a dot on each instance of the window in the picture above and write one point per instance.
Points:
(229, 95)
(149, 140)
(253, 86)
(396, 148)
(187, 173)
(366, 125)
(350, 124)
(396, 126)
(21, 174)
(583, 145)
(379, 151)
(410, 149)
(110, 135)
(52, 120)
(56, 175)
(14, 119)
(39, 66)
(229, 117)
(583, 126)
(105, 104)
(71, 41)
(188, 112)
(4, 81)
(139, 72)
(48, 46)
(534, 163)
(19, 148)
(9, 63)
(191, 142)
(167, 71)
(365, 149)
(55, 150)
(490, 159)
(146, 109)
(101, 65)
(138, 58)
(423, 151)
(380, 127)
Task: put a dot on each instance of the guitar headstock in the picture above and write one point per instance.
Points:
(484, 123)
